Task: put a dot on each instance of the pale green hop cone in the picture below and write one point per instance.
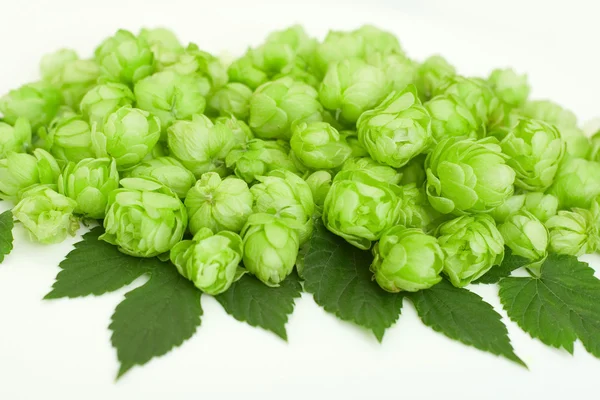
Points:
(318, 145)
(20, 171)
(576, 183)
(102, 100)
(37, 102)
(407, 260)
(574, 232)
(258, 158)
(527, 237)
(70, 138)
(15, 138)
(233, 99)
(167, 171)
(210, 261)
(144, 218)
(375, 170)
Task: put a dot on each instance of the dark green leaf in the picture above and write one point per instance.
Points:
(155, 318)
(510, 263)
(6, 236)
(96, 267)
(338, 276)
(252, 301)
(463, 315)
(559, 307)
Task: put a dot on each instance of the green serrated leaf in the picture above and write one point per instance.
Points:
(337, 275)
(463, 315)
(510, 263)
(155, 318)
(249, 300)
(96, 267)
(6, 236)
(559, 307)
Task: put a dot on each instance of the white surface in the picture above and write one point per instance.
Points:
(61, 349)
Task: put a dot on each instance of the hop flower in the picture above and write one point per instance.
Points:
(275, 105)
(46, 215)
(128, 135)
(89, 183)
(381, 172)
(510, 87)
(244, 71)
(451, 118)
(549, 112)
(574, 232)
(170, 97)
(407, 259)
(70, 138)
(240, 130)
(37, 102)
(270, 247)
(164, 45)
(432, 75)
(535, 151)
(20, 171)
(285, 194)
(542, 206)
(472, 245)
(15, 138)
(125, 58)
(103, 100)
(468, 176)
(318, 145)
(233, 99)
(167, 171)
(352, 87)
(144, 218)
(210, 261)
(360, 208)
(399, 69)
(258, 158)
(319, 183)
(218, 204)
(200, 145)
(206, 68)
(527, 237)
(397, 130)
(576, 183)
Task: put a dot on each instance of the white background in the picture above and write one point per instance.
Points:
(61, 349)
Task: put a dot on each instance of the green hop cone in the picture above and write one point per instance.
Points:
(450, 117)
(352, 87)
(351, 138)
(319, 183)
(89, 182)
(337, 46)
(397, 130)
(318, 145)
(375, 170)
(245, 72)
(128, 135)
(240, 130)
(359, 208)
(200, 145)
(258, 158)
(102, 100)
(275, 105)
(510, 206)
(70, 138)
(400, 70)
(15, 138)
(272, 57)
(416, 212)
(233, 99)
(296, 37)
(144, 218)
(20, 171)
(578, 144)
(478, 97)
(72, 76)
(124, 58)
(218, 204)
(510, 87)
(167, 171)
(170, 97)
(378, 40)
(576, 183)
(206, 68)
(527, 237)
(164, 45)
(270, 247)
(472, 245)
(535, 151)
(37, 102)
(574, 232)
(432, 75)
(46, 215)
(285, 194)
(542, 206)
(407, 260)
(209, 261)
(468, 176)
(549, 112)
